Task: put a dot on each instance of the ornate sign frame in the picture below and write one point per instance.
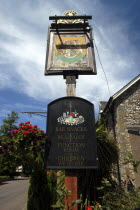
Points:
(70, 51)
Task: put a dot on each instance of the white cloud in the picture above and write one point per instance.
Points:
(3, 80)
(24, 41)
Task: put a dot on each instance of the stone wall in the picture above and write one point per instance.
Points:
(126, 113)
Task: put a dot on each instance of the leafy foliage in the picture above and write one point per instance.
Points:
(38, 192)
(8, 125)
(115, 197)
(8, 160)
(61, 188)
(107, 149)
(52, 183)
(130, 159)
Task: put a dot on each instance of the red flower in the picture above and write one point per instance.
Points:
(31, 130)
(48, 172)
(41, 131)
(25, 132)
(27, 122)
(35, 126)
(29, 126)
(55, 174)
(89, 208)
(24, 126)
(21, 124)
(37, 131)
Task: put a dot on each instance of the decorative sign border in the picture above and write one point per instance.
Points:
(70, 51)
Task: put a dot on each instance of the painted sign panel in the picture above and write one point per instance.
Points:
(72, 130)
(70, 51)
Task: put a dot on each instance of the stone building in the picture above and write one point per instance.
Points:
(122, 114)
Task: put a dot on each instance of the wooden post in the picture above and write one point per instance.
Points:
(71, 85)
(71, 175)
(71, 184)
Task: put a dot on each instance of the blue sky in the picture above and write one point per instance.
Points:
(23, 37)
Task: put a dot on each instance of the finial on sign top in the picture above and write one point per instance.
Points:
(70, 13)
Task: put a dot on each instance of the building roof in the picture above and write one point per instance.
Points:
(120, 92)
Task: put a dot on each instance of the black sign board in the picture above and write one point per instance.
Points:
(72, 129)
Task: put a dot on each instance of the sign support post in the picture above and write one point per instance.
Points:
(71, 181)
(70, 85)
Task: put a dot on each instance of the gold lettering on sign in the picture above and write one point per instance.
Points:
(63, 145)
(71, 147)
(71, 160)
(73, 129)
(70, 136)
(60, 129)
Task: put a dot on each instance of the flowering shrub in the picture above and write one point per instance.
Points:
(31, 136)
(26, 137)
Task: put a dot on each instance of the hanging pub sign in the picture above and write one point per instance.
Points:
(70, 46)
(73, 141)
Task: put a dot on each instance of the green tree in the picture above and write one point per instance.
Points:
(8, 125)
(8, 161)
(38, 192)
